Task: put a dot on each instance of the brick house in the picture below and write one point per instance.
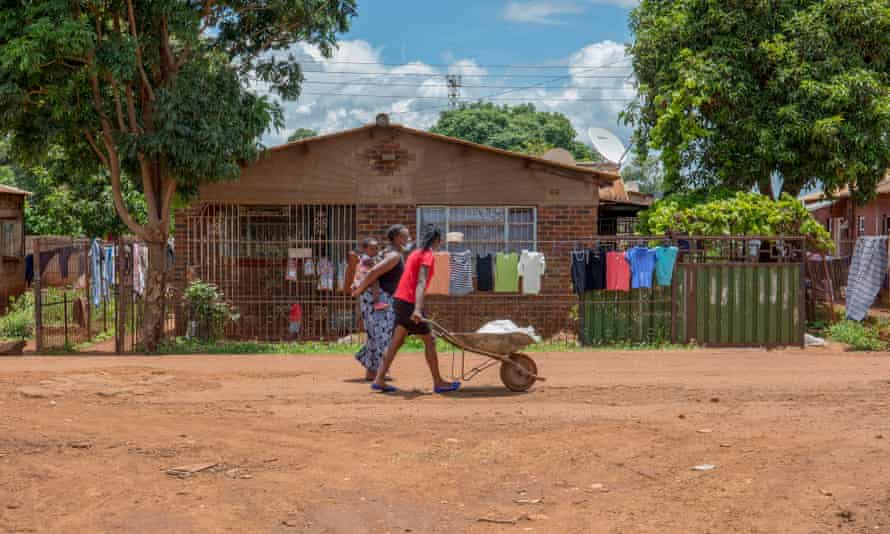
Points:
(12, 243)
(846, 221)
(310, 201)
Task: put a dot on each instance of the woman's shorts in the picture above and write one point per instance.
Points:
(403, 312)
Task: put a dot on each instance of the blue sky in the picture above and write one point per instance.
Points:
(491, 31)
(395, 58)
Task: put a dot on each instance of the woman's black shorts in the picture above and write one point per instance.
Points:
(403, 312)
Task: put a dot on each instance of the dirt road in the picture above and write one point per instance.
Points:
(800, 442)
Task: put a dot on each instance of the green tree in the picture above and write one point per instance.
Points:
(731, 92)
(156, 89)
(301, 133)
(518, 128)
(647, 172)
(61, 206)
(741, 213)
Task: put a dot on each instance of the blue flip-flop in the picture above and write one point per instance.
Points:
(384, 389)
(454, 386)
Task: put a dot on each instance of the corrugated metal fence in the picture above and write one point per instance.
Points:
(724, 292)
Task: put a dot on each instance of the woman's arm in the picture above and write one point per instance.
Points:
(417, 315)
(389, 262)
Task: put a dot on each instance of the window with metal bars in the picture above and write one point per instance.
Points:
(486, 229)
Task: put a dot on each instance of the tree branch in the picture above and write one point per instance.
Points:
(118, 108)
(102, 157)
(166, 202)
(167, 58)
(113, 161)
(147, 172)
(131, 110)
(145, 82)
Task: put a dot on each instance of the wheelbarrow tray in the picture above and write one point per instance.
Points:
(499, 343)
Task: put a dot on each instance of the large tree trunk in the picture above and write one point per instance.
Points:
(766, 187)
(155, 295)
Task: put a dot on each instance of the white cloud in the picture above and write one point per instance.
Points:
(328, 103)
(540, 11)
(619, 3)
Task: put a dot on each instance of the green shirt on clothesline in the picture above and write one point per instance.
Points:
(506, 273)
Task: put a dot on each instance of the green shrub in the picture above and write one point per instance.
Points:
(208, 310)
(18, 323)
(857, 335)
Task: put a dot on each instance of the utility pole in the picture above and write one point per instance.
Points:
(453, 81)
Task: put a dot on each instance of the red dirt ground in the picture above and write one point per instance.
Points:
(800, 441)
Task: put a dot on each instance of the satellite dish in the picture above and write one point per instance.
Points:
(607, 144)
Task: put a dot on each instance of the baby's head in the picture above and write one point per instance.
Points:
(370, 246)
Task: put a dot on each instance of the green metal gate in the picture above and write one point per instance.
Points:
(638, 316)
(739, 304)
(729, 304)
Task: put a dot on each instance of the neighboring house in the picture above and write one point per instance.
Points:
(303, 206)
(620, 201)
(846, 221)
(12, 243)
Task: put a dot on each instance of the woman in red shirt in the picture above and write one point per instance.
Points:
(408, 307)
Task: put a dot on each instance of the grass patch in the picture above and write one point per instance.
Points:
(182, 345)
(857, 336)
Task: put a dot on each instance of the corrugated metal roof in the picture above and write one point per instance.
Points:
(819, 205)
(617, 192)
(9, 190)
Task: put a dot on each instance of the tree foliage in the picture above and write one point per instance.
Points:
(739, 214)
(647, 172)
(60, 205)
(301, 133)
(519, 128)
(158, 89)
(731, 92)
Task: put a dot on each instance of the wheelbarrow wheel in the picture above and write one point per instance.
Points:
(513, 378)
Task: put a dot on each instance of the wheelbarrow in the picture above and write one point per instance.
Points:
(518, 370)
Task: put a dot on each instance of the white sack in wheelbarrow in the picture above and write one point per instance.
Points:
(505, 326)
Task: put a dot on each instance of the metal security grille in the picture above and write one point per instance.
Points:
(283, 267)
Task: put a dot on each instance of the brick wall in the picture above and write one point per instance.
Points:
(373, 220)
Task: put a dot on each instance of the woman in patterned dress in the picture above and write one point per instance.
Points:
(379, 323)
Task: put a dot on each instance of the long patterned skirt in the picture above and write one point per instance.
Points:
(379, 325)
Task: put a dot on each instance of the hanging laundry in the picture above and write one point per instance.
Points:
(531, 266)
(325, 269)
(342, 266)
(866, 274)
(439, 283)
(617, 272)
(484, 273)
(308, 267)
(506, 272)
(642, 265)
(140, 267)
(97, 258)
(579, 271)
(291, 269)
(595, 274)
(665, 258)
(461, 278)
(108, 270)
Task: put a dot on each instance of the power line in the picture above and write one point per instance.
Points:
(420, 84)
(450, 65)
(439, 75)
(412, 97)
(501, 93)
